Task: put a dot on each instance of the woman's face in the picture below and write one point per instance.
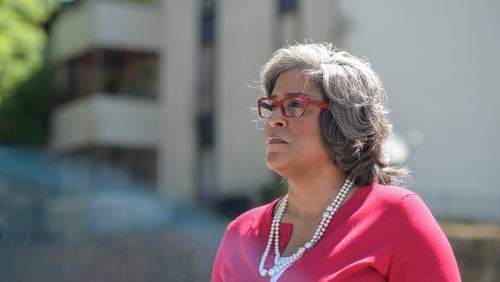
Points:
(293, 145)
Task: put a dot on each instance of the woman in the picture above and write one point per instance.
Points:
(343, 218)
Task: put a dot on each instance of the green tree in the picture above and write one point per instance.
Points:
(22, 74)
(24, 113)
(22, 39)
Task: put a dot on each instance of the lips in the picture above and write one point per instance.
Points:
(273, 139)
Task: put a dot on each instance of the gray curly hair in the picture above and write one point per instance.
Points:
(357, 123)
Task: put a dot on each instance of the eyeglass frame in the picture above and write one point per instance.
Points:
(279, 103)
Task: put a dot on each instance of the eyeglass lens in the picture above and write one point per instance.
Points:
(292, 107)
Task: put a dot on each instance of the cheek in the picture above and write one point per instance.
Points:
(311, 134)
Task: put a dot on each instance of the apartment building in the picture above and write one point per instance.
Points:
(106, 68)
(162, 89)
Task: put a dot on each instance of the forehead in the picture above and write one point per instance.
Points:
(295, 82)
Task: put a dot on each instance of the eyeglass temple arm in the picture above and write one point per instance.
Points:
(322, 105)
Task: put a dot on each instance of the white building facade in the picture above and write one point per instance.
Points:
(439, 62)
(105, 105)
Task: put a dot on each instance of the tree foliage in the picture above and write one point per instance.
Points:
(24, 113)
(22, 39)
(24, 80)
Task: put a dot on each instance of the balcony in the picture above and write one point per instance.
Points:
(105, 120)
(122, 25)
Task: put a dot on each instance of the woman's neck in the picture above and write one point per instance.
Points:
(310, 194)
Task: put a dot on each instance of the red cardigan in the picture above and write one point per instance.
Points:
(382, 233)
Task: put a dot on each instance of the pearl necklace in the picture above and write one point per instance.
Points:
(275, 230)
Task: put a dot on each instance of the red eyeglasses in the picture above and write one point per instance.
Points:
(293, 106)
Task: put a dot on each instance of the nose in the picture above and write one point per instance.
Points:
(277, 119)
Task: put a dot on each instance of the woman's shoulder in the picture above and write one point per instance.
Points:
(389, 200)
(389, 193)
(397, 201)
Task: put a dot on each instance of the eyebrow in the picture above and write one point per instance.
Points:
(288, 94)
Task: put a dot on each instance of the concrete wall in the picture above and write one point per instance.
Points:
(243, 44)
(478, 258)
(107, 120)
(319, 21)
(179, 35)
(105, 24)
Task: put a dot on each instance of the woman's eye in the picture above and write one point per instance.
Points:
(296, 104)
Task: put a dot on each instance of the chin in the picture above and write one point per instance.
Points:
(275, 164)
